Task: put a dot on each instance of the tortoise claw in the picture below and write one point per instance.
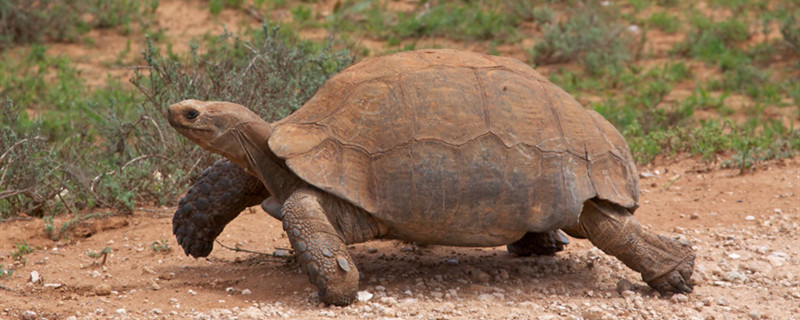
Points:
(679, 280)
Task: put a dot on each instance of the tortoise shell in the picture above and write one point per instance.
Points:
(435, 141)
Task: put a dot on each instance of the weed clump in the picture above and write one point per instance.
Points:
(592, 35)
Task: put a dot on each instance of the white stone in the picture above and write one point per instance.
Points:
(749, 218)
(364, 296)
(246, 292)
(35, 277)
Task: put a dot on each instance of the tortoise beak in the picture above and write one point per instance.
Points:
(183, 113)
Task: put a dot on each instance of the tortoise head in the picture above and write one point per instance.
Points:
(224, 128)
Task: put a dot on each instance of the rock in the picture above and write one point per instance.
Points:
(102, 289)
(624, 285)
(246, 292)
(71, 318)
(121, 312)
(251, 313)
(694, 216)
(28, 315)
(754, 314)
(389, 301)
(679, 298)
(52, 285)
(35, 277)
(154, 285)
(192, 292)
(364, 296)
(749, 218)
(485, 297)
(452, 261)
(480, 276)
(722, 301)
(777, 258)
(628, 294)
(594, 313)
(735, 277)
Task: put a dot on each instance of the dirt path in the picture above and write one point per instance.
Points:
(744, 227)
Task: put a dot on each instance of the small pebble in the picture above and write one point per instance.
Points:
(679, 298)
(594, 313)
(364, 296)
(102, 289)
(749, 218)
(624, 285)
(28, 315)
(35, 277)
(246, 291)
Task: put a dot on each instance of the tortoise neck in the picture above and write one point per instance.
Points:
(279, 180)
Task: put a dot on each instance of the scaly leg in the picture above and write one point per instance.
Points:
(321, 249)
(539, 243)
(665, 264)
(218, 195)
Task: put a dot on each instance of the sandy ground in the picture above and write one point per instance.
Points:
(744, 228)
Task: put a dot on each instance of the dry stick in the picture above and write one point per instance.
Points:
(237, 249)
(12, 290)
(160, 135)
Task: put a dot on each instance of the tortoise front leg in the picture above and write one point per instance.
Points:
(320, 248)
(665, 264)
(218, 195)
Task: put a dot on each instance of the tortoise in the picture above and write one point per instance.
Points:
(436, 147)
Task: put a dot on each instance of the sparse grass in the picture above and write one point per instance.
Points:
(592, 35)
(466, 20)
(160, 246)
(6, 272)
(664, 21)
(99, 254)
(21, 249)
(33, 21)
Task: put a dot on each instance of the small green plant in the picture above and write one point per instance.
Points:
(102, 253)
(6, 272)
(301, 14)
(664, 21)
(21, 249)
(160, 246)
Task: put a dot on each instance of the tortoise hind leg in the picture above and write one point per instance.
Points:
(665, 264)
(539, 243)
(218, 195)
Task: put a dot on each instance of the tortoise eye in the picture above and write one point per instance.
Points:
(191, 114)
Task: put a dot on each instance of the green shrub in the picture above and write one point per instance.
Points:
(664, 21)
(790, 30)
(715, 42)
(112, 147)
(457, 20)
(31, 21)
(592, 35)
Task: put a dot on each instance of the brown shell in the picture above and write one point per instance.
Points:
(442, 136)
